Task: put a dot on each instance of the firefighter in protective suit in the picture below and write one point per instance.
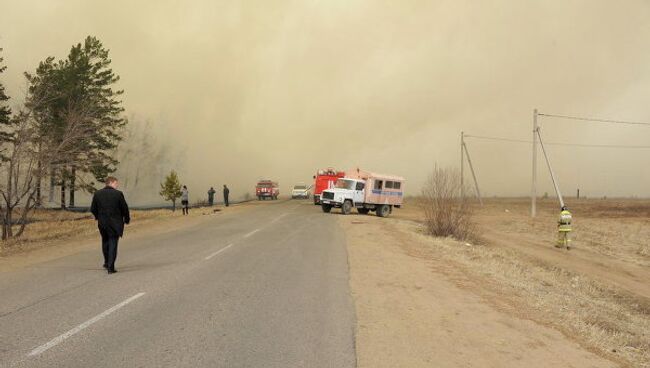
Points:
(564, 228)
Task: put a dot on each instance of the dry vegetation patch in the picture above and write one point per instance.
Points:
(47, 225)
(602, 318)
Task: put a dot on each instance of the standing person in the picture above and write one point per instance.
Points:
(226, 191)
(185, 200)
(564, 228)
(211, 193)
(111, 212)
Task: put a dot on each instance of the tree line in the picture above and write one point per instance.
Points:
(64, 133)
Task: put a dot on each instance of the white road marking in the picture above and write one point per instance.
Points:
(251, 233)
(277, 218)
(219, 251)
(59, 339)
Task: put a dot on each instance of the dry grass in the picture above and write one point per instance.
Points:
(51, 225)
(612, 324)
(616, 228)
(600, 317)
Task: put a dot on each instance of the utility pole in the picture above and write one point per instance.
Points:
(550, 169)
(471, 167)
(533, 190)
(462, 164)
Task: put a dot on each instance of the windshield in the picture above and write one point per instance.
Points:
(300, 187)
(345, 184)
(264, 185)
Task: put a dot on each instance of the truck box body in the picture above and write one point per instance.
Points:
(380, 188)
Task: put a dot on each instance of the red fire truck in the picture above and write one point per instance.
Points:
(325, 179)
(267, 189)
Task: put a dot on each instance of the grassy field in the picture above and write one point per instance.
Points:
(598, 293)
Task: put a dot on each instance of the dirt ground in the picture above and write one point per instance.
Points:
(513, 299)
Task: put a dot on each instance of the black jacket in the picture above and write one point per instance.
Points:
(111, 211)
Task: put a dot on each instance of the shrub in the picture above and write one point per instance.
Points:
(446, 211)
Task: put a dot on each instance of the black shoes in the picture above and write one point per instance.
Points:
(110, 271)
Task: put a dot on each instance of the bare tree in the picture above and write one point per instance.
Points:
(447, 213)
(29, 156)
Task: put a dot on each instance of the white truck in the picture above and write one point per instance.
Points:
(366, 192)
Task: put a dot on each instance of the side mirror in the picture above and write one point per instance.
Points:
(314, 177)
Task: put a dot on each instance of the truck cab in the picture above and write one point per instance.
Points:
(325, 179)
(366, 192)
(267, 189)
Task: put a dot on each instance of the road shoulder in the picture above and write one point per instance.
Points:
(412, 313)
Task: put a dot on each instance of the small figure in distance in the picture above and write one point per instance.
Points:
(564, 228)
(111, 212)
(185, 200)
(226, 192)
(211, 193)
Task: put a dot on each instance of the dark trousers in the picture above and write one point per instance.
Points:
(225, 200)
(109, 248)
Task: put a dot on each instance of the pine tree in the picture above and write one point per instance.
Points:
(170, 190)
(79, 89)
(5, 112)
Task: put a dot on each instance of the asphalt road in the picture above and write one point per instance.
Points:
(262, 287)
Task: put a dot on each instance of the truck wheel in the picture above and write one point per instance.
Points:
(347, 207)
(315, 201)
(383, 210)
(259, 198)
(363, 211)
(326, 208)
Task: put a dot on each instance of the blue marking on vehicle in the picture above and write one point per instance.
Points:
(383, 192)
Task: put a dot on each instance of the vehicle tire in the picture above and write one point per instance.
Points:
(315, 201)
(346, 208)
(383, 210)
(363, 211)
(326, 208)
(259, 198)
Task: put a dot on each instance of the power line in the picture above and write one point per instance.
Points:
(595, 120)
(556, 143)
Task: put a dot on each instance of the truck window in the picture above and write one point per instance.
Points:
(397, 185)
(379, 184)
(389, 185)
(360, 186)
(345, 184)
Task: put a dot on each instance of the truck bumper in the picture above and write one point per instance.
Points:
(331, 203)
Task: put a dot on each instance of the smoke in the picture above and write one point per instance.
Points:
(237, 91)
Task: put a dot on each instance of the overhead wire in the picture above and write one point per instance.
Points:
(558, 143)
(594, 120)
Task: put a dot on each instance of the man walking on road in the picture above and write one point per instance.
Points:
(211, 193)
(226, 191)
(111, 212)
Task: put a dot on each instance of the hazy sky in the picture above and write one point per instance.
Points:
(278, 89)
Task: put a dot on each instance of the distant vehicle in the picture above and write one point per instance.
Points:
(325, 179)
(301, 191)
(267, 189)
(366, 192)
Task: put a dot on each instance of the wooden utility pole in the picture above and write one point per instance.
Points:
(533, 189)
(471, 167)
(550, 169)
(462, 164)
